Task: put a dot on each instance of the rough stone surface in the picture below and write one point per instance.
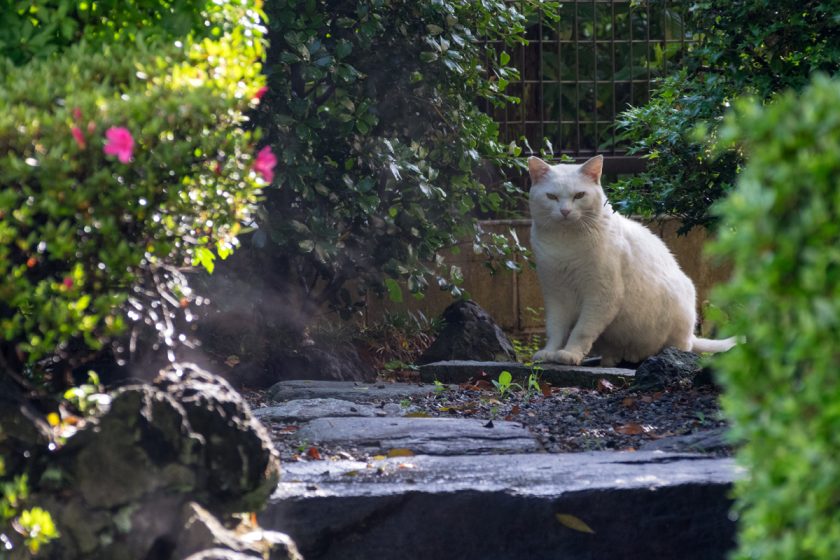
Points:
(345, 390)
(433, 436)
(708, 441)
(222, 554)
(669, 367)
(470, 334)
(242, 466)
(202, 532)
(460, 371)
(309, 409)
(156, 449)
(638, 505)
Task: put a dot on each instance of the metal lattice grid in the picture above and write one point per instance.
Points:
(579, 73)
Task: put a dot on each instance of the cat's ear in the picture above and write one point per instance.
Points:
(537, 168)
(592, 168)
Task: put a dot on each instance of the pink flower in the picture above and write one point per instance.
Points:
(78, 137)
(260, 92)
(68, 282)
(77, 114)
(265, 162)
(120, 143)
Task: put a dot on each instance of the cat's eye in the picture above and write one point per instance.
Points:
(579, 195)
(552, 197)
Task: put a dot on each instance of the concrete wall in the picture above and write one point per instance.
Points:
(514, 300)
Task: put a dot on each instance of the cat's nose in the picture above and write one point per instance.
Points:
(565, 211)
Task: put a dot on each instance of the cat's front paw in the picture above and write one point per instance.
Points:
(544, 356)
(559, 357)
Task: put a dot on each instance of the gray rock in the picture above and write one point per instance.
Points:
(202, 533)
(309, 409)
(242, 464)
(433, 436)
(639, 505)
(200, 530)
(345, 390)
(460, 371)
(712, 441)
(669, 367)
(157, 448)
(221, 554)
(470, 334)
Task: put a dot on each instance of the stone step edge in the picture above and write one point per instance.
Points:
(461, 371)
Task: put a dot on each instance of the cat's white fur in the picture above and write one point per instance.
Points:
(610, 286)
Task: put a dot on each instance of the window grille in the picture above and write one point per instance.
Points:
(579, 73)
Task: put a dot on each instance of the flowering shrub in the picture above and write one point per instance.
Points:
(127, 163)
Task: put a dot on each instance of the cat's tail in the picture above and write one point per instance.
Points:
(710, 345)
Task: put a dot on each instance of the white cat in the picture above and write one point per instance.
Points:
(610, 286)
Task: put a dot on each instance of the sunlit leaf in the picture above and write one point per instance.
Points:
(400, 452)
(574, 523)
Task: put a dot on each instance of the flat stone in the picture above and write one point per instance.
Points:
(432, 436)
(649, 505)
(345, 390)
(309, 409)
(706, 441)
(460, 371)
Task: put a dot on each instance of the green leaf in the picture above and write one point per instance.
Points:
(205, 258)
(394, 290)
(574, 523)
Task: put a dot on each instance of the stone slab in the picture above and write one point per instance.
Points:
(432, 436)
(346, 390)
(706, 441)
(309, 409)
(460, 371)
(649, 505)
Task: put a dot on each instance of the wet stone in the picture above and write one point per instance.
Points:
(346, 390)
(430, 436)
(309, 409)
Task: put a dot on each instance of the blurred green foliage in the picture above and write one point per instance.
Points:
(781, 229)
(759, 48)
(41, 28)
(372, 112)
(87, 240)
(33, 526)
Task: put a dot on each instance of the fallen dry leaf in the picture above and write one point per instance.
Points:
(604, 386)
(313, 453)
(629, 402)
(400, 452)
(632, 429)
(546, 389)
(574, 523)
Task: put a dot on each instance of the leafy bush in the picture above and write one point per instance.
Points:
(41, 28)
(372, 112)
(781, 229)
(759, 48)
(125, 164)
